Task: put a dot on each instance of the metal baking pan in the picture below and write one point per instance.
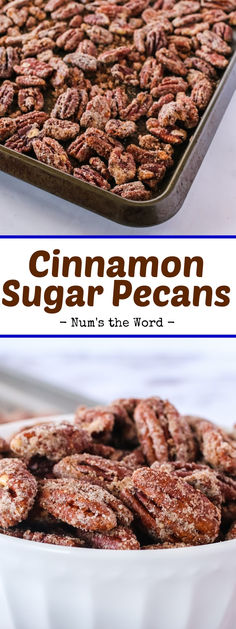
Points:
(113, 207)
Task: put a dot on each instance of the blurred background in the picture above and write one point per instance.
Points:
(44, 376)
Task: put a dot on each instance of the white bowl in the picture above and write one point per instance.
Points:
(53, 587)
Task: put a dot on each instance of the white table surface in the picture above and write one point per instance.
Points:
(197, 375)
(209, 208)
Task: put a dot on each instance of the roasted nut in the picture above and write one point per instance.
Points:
(121, 165)
(169, 508)
(70, 39)
(6, 97)
(163, 434)
(201, 477)
(22, 140)
(30, 99)
(79, 149)
(100, 142)
(97, 113)
(83, 505)
(33, 66)
(88, 174)
(138, 107)
(171, 135)
(49, 440)
(52, 538)
(98, 421)
(61, 130)
(88, 63)
(66, 105)
(94, 469)
(201, 93)
(120, 129)
(134, 191)
(170, 85)
(8, 58)
(217, 448)
(119, 538)
(17, 492)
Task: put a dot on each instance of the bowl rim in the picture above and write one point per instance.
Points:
(215, 547)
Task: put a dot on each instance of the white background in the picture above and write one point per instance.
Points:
(209, 208)
(197, 375)
(219, 269)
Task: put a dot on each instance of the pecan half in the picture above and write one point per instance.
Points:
(60, 129)
(121, 165)
(92, 468)
(30, 99)
(97, 113)
(169, 508)
(162, 432)
(83, 505)
(17, 492)
(66, 105)
(22, 140)
(88, 174)
(119, 538)
(51, 440)
(134, 191)
(9, 56)
(201, 93)
(120, 129)
(6, 97)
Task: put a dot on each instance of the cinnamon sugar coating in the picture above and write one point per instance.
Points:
(129, 475)
(17, 492)
(102, 70)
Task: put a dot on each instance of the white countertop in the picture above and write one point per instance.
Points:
(198, 376)
(209, 208)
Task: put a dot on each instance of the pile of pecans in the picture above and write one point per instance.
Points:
(131, 475)
(105, 90)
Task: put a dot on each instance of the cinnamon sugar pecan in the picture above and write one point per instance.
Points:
(83, 505)
(134, 191)
(121, 166)
(119, 538)
(88, 174)
(9, 56)
(30, 99)
(66, 105)
(17, 492)
(217, 448)
(170, 135)
(169, 508)
(6, 97)
(52, 538)
(92, 468)
(100, 142)
(201, 93)
(53, 441)
(97, 113)
(22, 140)
(60, 129)
(79, 149)
(162, 433)
(120, 128)
(50, 152)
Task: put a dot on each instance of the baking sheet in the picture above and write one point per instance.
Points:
(113, 207)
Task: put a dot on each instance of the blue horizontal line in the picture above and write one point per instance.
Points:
(172, 237)
(118, 336)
